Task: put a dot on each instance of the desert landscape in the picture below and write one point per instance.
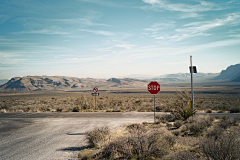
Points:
(120, 80)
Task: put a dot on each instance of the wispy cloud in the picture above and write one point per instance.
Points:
(160, 26)
(231, 1)
(193, 29)
(190, 15)
(181, 7)
(98, 32)
(126, 46)
(199, 27)
(80, 21)
(43, 31)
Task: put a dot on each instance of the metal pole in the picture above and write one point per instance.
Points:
(154, 111)
(191, 79)
(95, 100)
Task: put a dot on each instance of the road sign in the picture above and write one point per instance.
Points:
(95, 89)
(95, 94)
(153, 87)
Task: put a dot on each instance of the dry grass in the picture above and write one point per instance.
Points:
(142, 102)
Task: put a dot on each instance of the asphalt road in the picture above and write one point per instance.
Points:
(47, 136)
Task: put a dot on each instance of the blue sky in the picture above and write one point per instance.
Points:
(115, 38)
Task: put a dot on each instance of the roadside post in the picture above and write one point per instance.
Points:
(154, 88)
(95, 90)
(193, 69)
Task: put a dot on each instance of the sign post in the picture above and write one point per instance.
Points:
(193, 69)
(154, 88)
(95, 90)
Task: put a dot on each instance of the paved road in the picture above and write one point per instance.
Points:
(42, 136)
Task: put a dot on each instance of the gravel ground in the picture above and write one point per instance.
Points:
(55, 135)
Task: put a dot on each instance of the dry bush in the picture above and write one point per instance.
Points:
(139, 144)
(183, 128)
(235, 109)
(200, 124)
(209, 111)
(98, 136)
(225, 146)
(166, 117)
(206, 120)
(76, 109)
(178, 123)
(181, 155)
(214, 133)
(85, 154)
(228, 122)
(176, 132)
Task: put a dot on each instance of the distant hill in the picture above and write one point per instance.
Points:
(56, 83)
(186, 77)
(232, 73)
(236, 79)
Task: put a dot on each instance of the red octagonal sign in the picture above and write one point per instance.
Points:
(153, 87)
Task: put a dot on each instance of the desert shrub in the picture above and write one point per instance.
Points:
(59, 109)
(139, 144)
(138, 102)
(161, 118)
(178, 123)
(209, 111)
(205, 120)
(181, 155)
(228, 122)
(235, 109)
(186, 112)
(176, 132)
(135, 126)
(142, 109)
(225, 146)
(76, 109)
(150, 109)
(98, 136)
(89, 110)
(166, 117)
(214, 133)
(201, 122)
(197, 128)
(117, 110)
(159, 109)
(171, 140)
(183, 128)
(85, 154)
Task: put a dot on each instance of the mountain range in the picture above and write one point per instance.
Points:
(232, 74)
(61, 83)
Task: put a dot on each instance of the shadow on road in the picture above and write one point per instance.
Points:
(76, 133)
(73, 148)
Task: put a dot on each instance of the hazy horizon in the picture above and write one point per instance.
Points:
(104, 38)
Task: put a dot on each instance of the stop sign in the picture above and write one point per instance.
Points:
(153, 87)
